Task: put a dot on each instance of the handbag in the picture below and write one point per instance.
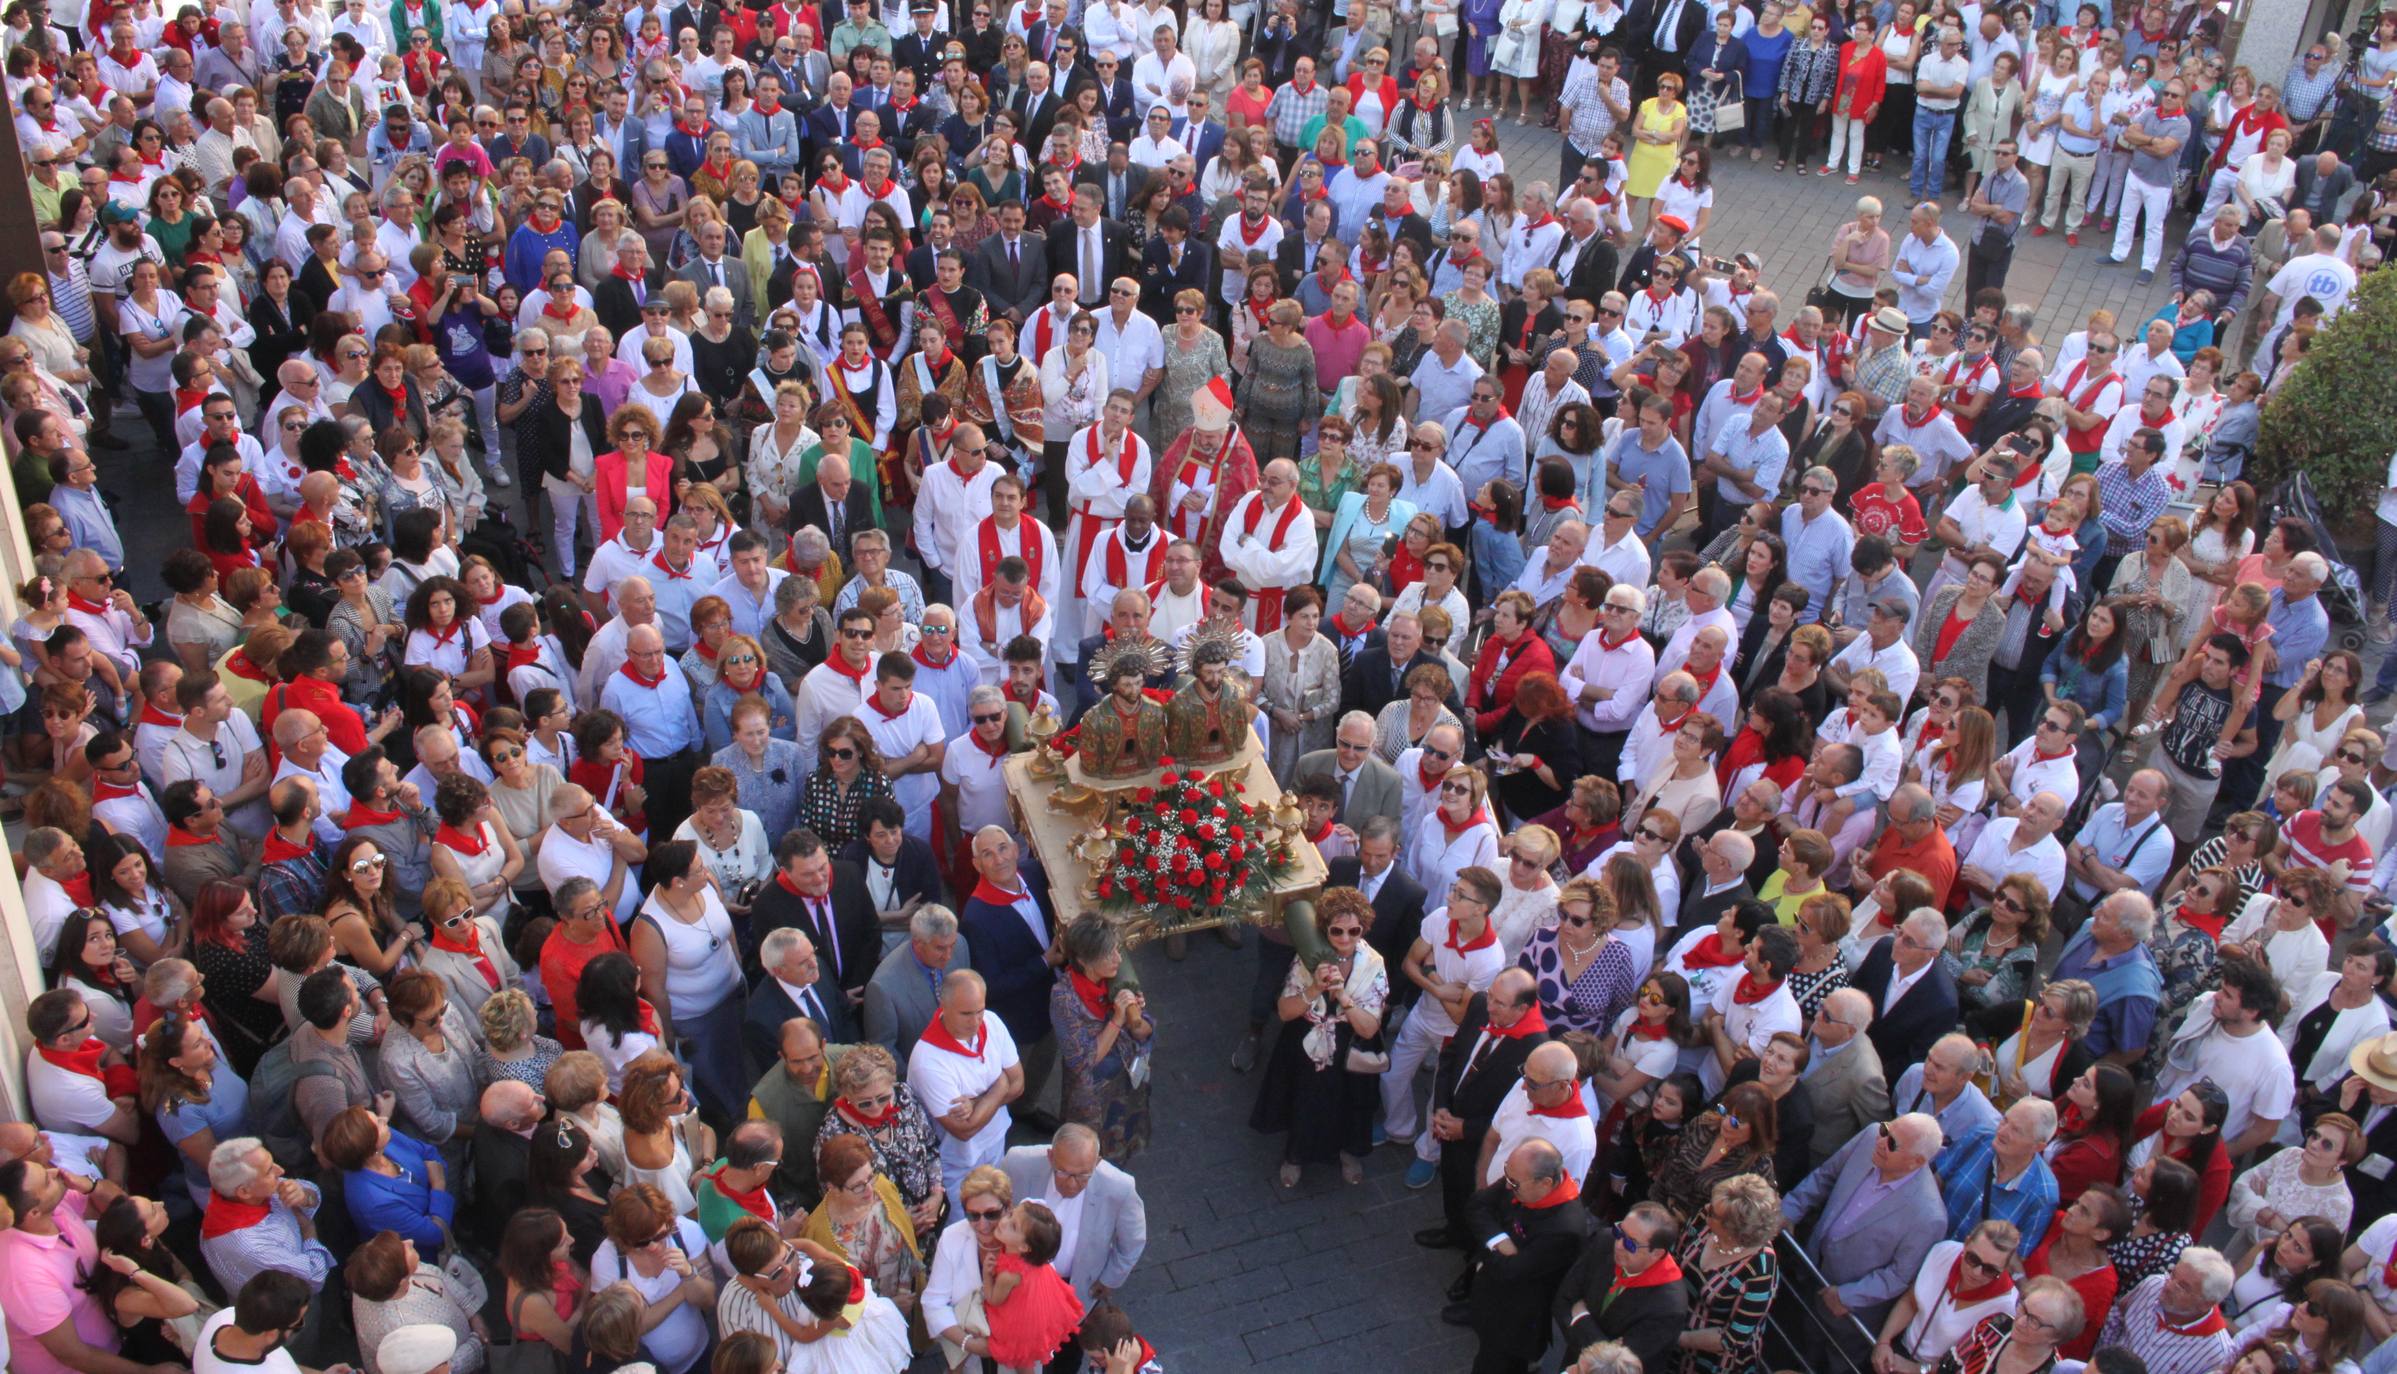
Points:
(458, 1274)
(1822, 297)
(523, 1354)
(1731, 111)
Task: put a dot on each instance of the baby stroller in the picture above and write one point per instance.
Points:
(2343, 594)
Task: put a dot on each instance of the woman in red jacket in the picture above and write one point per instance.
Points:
(2093, 1131)
(2189, 1128)
(634, 432)
(223, 474)
(1863, 81)
(1512, 651)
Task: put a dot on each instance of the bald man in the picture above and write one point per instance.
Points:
(1269, 544)
(1542, 1105)
(1479, 1066)
(1868, 1217)
(661, 723)
(964, 1071)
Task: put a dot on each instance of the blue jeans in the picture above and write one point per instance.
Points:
(1929, 176)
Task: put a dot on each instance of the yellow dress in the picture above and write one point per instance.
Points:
(1651, 163)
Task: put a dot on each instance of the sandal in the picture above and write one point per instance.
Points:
(1289, 1176)
(1352, 1170)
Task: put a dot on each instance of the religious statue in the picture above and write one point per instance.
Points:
(1124, 733)
(1209, 719)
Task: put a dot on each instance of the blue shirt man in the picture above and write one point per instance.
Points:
(2300, 627)
(1996, 1174)
(652, 698)
(1650, 458)
(1821, 546)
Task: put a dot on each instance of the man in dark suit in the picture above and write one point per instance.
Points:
(1904, 1031)
(1295, 256)
(1011, 932)
(1627, 1287)
(1116, 99)
(1378, 675)
(1198, 133)
(1478, 1066)
(620, 297)
(904, 992)
(899, 870)
(502, 1155)
(1397, 899)
(1119, 181)
(1722, 881)
(1368, 786)
(1038, 106)
(1399, 218)
(1528, 1230)
(1657, 35)
(830, 124)
(836, 503)
(2322, 180)
(790, 988)
(1074, 242)
(919, 49)
(1010, 268)
(1173, 261)
(1585, 261)
(826, 901)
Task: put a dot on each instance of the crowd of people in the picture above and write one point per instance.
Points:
(1783, 751)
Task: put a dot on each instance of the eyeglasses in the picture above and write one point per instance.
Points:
(1973, 1261)
(1645, 833)
(367, 865)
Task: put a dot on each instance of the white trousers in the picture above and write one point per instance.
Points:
(2142, 201)
(1849, 133)
(1418, 1043)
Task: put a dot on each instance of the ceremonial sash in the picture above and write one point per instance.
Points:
(877, 320)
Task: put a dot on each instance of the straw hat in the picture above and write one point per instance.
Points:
(2375, 1062)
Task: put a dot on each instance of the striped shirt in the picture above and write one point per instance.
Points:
(2140, 1325)
(274, 1243)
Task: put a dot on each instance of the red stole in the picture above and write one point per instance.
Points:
(1118, 565)
(985, 606)
(1090, 525)
(2085, 439)
(1028, 543)
(1266, 602)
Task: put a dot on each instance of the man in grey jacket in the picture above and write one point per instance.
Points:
(1868, 1217)
(1098, 1205)
(904, 993)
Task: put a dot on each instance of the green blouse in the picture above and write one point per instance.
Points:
(862, 467)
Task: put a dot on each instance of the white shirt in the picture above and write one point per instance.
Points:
(1994, 853)
(2253, 1070)
(981, 783)
(1575, 1137)
(563, 856)
(1753, 1024)
(1896, 663)
(948, 509)
(1626, 670)
(2034, 775)
(1068, 1211)
(941, 1078)
(1476, 969)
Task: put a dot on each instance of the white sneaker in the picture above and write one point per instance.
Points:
(499, 476)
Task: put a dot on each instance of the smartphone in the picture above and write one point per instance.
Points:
(1723, 265)
(460, 282)
(2023, 444)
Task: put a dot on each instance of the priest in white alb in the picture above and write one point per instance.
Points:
(1106, 465)
(1007, 532)
(1130, 555)
(1269, 544)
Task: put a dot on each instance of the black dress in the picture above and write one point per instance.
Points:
(719, 368)
(282, 332)
(232, 976)
(1326, 1109)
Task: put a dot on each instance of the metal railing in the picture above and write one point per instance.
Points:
(1798, 1334)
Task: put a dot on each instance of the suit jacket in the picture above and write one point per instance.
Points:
(1366, 684)
(1210, 141)
(1638, 30)
(1512, 1293)
(1040, 115)
(1648, 1320)
(1397, 914)
(614, 304)
(1294, 258)
(1474, 1097)
(770, 1007)
(1905, 1032)
(919, 55)
(900, 1001)
(2374, 1197)
(848, 953)
(1698, 910)
(1876, 1258)
(1020, 292)
(1160, 283)
(1113, 206)
(827, 127)
(1040, 42)
(1376, 791)
(1115, 1223)
(736, 280)
(808, 508)
(1115, 252)
(2312, 185)
(1850, 1092)
(1012, 963)
(1594, 269)
(916, 874)
(501, 1163)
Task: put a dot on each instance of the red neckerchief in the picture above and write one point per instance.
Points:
(903, 106)
(109, 791)
(700, 134)
(1961, 1296)
(523, 655)
(1321, 833)
(1666, 1269)
(443, 636)
(360, 816)
(84, 1059)
(1487, 938)
(1062, 210)
(1092, 994)
(471, 946)
(995, 748)
(1484, 425)
(1650, 1030)
(151, 715)
(1607, 645)
(2196, 920)
(1566, 1190)
(470, 845)
(179, 838)
(75, 601)
(658, 560)
(620, 274)
(1248, 236)
(888, 1114)
(937, 1036)
(753, 1201)
(2209, 1324)
(1749, 992)
(874, 192)
(399, 396)
(839, 664)
(1427, 777)
(1709, 953)
(1340, 626)
(2042, 756)
(1257, 310)
(1907, 419)
(1531, 227)
(225, 1215)
(1529, 1024)
(837, 183)
(917, 653)
(875, 701)
(635, 674)
(1750, 399)
(847, 366)
(572, 309)
(278, 849)
(1705, 681)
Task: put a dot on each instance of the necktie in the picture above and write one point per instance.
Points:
(820, 911)
(1348, 784)
(1473, 1061)
(1090, 268)
(809, 1004)
(715, 273)
(832, 517)
(1015, 258)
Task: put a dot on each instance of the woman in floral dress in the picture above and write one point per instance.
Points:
(1103, 1038)
(1279, 394)
(872, 1103)
(1473, 304)
(1194, 356)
